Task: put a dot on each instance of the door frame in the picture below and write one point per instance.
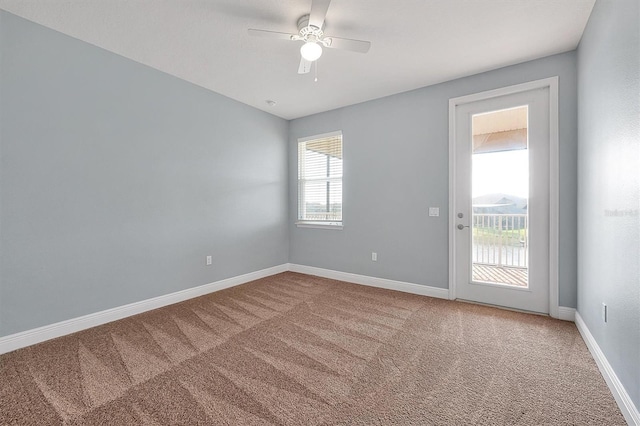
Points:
(554, 179)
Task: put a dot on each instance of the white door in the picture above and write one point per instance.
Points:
(501, 158)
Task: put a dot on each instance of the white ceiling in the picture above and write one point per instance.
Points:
(415, 43)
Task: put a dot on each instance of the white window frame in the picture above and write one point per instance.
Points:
(300, 223)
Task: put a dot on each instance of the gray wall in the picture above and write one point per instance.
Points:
(396, 166)
(609, 184)
(116, 180)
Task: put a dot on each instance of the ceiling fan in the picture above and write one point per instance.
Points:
(310, 31)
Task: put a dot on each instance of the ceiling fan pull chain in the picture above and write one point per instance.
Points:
(316, 71)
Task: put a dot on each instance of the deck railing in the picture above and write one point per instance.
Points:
(324, 216)
(500, 239)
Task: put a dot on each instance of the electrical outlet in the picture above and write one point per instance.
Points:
(209, 260)
(374, 256)
(434, 211)
(604, 312)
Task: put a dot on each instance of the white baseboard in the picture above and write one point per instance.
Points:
(41, 334)
(566, 314)
(629, 410)
(440, 293)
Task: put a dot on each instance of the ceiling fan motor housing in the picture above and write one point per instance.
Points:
(310, 33)
(306, 30)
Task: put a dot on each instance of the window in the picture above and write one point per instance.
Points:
(320, 181)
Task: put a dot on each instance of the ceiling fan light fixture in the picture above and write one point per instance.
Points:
(311, 51)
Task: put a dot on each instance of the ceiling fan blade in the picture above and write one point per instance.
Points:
(348, 44)
(318, 12)
(305, 66)
(270, 34)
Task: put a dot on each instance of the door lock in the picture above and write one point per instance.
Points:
(461, 226)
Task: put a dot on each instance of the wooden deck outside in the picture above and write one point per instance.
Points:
(500, 274)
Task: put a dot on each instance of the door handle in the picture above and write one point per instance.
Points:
(461, 226)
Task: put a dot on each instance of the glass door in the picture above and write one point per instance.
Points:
(501, 200)
(500, 197)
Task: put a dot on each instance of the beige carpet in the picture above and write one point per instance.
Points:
(299, 350)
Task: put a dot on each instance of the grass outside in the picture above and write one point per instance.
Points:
(491, 235)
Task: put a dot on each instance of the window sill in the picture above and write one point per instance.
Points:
(320, 225)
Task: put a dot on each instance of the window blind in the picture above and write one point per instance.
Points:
(320, 179)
